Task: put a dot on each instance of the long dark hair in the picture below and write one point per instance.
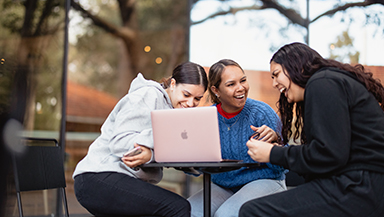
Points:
(299, 62)
(214, 75)
(187, 73)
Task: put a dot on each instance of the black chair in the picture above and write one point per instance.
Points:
(40, 166)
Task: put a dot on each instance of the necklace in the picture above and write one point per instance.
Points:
(229, 127)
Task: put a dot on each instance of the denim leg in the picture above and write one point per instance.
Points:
(218, 196)
(252, 190)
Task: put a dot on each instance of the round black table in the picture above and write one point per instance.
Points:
(207, 168)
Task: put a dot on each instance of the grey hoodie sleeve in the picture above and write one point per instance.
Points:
(130, 122)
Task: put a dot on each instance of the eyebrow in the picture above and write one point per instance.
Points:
(234, 81)
(187, 92)
(274, 71)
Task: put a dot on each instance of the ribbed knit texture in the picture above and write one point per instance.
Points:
(233, 144)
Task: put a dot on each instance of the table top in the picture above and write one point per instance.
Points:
(207, 167)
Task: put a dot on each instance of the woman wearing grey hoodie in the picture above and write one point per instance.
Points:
(109, 183)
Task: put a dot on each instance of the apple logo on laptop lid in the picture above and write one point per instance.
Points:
(184, 135)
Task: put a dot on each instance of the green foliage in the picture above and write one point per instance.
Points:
(33, 52)
(161, 15)
(343, 49)
(6, 80)
(42, 15)
(96, 56)
(48, 89)
(8, 42)
(160, 22)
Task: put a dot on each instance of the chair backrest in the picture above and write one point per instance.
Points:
(40, 166)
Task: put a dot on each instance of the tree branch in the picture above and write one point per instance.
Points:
(290, 14)
(47, 11)
(230, 11)
(121, 32)
(347, 6)
(126, 9)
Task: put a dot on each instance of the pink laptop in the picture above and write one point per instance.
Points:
(186, 135)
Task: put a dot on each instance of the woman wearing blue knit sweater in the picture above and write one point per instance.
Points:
(239, 118)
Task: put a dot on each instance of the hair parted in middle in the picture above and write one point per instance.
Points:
(188, 73)
(214, 76)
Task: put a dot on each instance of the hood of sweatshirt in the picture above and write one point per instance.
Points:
(140, 82)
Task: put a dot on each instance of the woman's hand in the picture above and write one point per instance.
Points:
(266, 133)
(139, 159)
(259, 151)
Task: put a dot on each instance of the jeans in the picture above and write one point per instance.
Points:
(116, 194)
(226, 203)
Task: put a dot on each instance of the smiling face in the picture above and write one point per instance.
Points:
(185, 95)
(233, 89)
(292, 91)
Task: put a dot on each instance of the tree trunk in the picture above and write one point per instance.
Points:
(124, 71)
(30, 54)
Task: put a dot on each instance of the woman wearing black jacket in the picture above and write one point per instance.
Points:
(339, 116)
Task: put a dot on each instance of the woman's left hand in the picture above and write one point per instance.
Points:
(139, 159)
(266, 133)
(259, 151)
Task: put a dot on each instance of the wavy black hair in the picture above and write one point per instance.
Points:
(299, 62)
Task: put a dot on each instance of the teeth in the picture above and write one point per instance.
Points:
(239, 97)
(282, 90)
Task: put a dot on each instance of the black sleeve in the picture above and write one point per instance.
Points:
(327, 126)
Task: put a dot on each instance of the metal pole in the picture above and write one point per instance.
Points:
(67, 6)
(187, 184)
(307, 25)
(207, 194)
(64, 79)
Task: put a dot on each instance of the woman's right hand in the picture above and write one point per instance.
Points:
(259, 151)
(266, 134)
(137, 160)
